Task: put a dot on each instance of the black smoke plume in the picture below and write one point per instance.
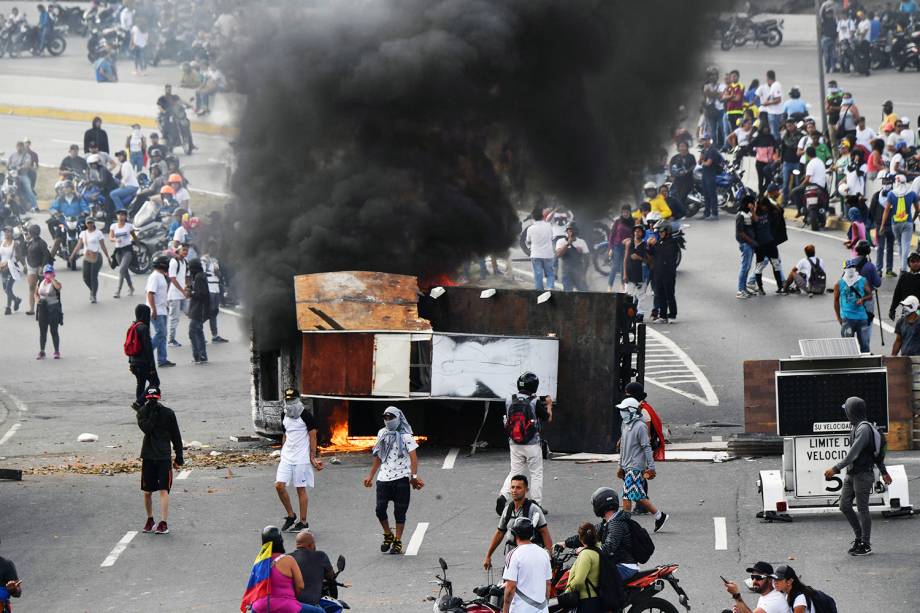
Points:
(393, 135)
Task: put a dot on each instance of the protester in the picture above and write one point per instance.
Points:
(850, 294)
(527, 572)
(10, 584)
(907, 330)
(771, 101)
(92, 241)
(395, 458)
(539, 239)
(285, 579)
(212, 270)
(73, 163)
(808, 275)
(574, 255)
(96, 135)
(315, 568)
(199, 309)
(48, 311)
(908, 283)
(584, 576)
(22, 162)
(650, 418)
(299, 456)
(519, 506)
(711, 161)
(37, 255)
(613, 532)
(160, 427)
(127, 178)
(681, 167)
(902, 208)
(10, 268)
(665, 252)
(177, 296)
(769, 232)
(864, 455)
(856, 232)
(637, 463)
(122, 234)
(142, 364)
(139, 39)
(884, 234)
(769, 600)
(525, 414)
(637, 260)
(764, 145)
(620, 232)
(157, 289)
(747, 243)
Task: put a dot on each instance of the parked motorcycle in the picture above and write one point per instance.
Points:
(446, 602)
(768, 32)
(730, 188)
(69, 18)
(11, 192)
(812, 204)
(104, 40)
(23, 38)
(330, 594)
(172, 47)
(100, 17)
(905, 52)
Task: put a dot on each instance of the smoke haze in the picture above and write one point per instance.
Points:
(393, 135)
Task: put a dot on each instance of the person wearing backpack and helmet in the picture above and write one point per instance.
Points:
(637, 463)
(139, 347)
(907, 330)
(519, 506)
(867, 451)
(524, 414)
(527, 573)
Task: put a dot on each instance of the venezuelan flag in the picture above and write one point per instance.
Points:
(258, 585)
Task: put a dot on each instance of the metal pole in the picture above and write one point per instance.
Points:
(821, 69)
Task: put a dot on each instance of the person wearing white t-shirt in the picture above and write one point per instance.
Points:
(771, 101)
(122, 234)
(156, 290)
(298, 459)
(539, 238)
(906, 134)
(139, 39)
(177, 296)
(864, 135)
(814, 171)
(770, 599)
(92, 241)
(527, 573)
(397, 463)
(799, 597)
(800, 275)
(128, 186)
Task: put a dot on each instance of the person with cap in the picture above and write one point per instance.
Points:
(68, 203)
(897, 164)
(637, 462)
(142, 364)
(199, 309)
(864, 455)
(315, 568)
(157, 149)
(37, 255)
(299, 456)
(73, 163)
(665, 251)
(614, 535)
(650, 418)
(770, 600)
(92, 241)
(889, 117)
(96, 135)
(10, 584)
(519, 506)
(157, 290)
(397, 462)
(527, 572)
(122, 234)
(127, 177)
(901, 207)
(161, 429)
(884, 235)
(801, 598)
(285, 578)
(573, 254)
(908, 284)
(525, 412)
(48, 311)
(711, 161)
(906, 134)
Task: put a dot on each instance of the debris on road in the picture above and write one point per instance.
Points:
(87, 437)
(224, 459)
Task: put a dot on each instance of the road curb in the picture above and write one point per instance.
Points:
(40, 112)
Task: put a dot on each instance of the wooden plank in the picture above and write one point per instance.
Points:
(337, 364)
(359, 316)
(356, 286)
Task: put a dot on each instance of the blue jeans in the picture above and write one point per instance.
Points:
(788, 167)
(714, 127)
(903, 231)
(616, 264)
(711, 200)
(626, 573)
(140, 58)
(543, 267)
(137, 160)
(886, 247)
(829, 53)
(863, 332)
(43, 38)
(26, 186)
(159, 337)
(196, 336)
(123, 196)
(776, 122)
(747, 256)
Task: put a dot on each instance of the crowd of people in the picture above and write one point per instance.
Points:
(849, 30)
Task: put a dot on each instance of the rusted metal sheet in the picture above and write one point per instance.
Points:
(337, 364)
(357, 300)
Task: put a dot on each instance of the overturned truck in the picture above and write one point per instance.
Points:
(448, 356)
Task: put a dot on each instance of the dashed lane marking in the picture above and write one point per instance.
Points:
(415, 542)
(690, 374)
(9, 433)
(721, 533)
(119, 548)
(184, 474)
(451, 458)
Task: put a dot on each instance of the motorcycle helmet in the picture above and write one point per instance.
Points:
(166, 190)
(604, 499)
(652, 218)
(161, 262)
(94, 158)
(649, 185)
(636, 390)
(887, 107)
(662, 225)
(886, 178)
(795, 92)
(522, 528)
(863, 248)
(272, 534)
(174, 178)
(528, 383)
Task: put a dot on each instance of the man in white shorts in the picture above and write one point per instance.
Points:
(299, 456)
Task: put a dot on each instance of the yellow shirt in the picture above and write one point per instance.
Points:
(587, 566)
(888, 119)
(659, 205)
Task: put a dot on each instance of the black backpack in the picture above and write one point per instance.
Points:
(880, 445)
(642, 546)
(521, 425)
(537, 538)
(609, 586)
(823, 603)
(817, 280)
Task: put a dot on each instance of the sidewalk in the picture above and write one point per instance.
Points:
(116, 103)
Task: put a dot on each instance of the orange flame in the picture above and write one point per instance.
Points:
(340, 441)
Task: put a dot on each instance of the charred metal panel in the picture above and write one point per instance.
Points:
(337, 364)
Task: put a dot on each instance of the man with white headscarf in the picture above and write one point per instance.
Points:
(637, 462)
(299, 456)
(397, 462)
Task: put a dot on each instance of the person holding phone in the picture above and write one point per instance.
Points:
(770, 601)
(10, 584)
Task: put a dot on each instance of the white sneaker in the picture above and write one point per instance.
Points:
(742, 295)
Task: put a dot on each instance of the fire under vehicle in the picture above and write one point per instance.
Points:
(446, 356)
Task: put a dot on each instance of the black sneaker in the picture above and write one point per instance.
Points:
(288, 522)
(396, 549)
(863, 549)
(219, 339)
(166, 364)
(388, 539)
(661, 521)
(854, 546)
(500, 503)
(301, 525)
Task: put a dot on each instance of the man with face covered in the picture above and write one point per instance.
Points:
(299, 456)
(637, 463)
(860, 461)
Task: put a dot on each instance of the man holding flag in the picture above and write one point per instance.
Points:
(275, 579)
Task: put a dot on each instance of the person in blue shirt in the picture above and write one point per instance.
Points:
(864, 266)
(45, 25)
(908, 6)
(68, 204)
(875, 27)
(795, 105)
(105, 70)
(850, 296)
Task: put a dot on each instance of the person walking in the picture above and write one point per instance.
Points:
(156, 290)
(850, 294)
(864, 266)
(161, 428)
(37, 255)
(584, 576)
(525, 413)
(527, 572)
(637, 463)
(199, 309)
(884, 235)
(139, 39)
(864, 455)
(397, 463)
(10, 268)
(519, 506)
(177, 295)
(142, 364)
(573, 254)
(92, 241)
(539, 239)
(747, 243)
(123, 235)
(770, 600)
(299, 456)
(48, 311)
(901, 208)
(650, 418)
(620, 232)
(212, 270)
(315, 568)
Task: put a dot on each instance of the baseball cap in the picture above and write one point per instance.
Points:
(911, 302)
(628, 403)
(152, 392)
(761, 568)
(784, 571)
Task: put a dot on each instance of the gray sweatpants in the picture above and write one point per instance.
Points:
(175, 310)
(858, 486)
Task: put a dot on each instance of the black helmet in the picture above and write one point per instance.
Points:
(636, 390)
(528, 382)
(863, 248)
(522, 528)
(161, 261)
(291, 394)
(272, 534)
(604, 499)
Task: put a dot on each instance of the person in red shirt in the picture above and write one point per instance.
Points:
(733, 98)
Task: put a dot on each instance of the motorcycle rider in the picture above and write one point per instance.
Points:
(73, 163)
(528, 573)
(613, 532)
(128, 184)
(170, 105)
(518, 506)
(96, 135)
(21, 161)
(315, 568)
(100, 177)
(68, 204)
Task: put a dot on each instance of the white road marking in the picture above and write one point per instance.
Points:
(119, 548)
(184, 474)
(416, 541)
(451, 458)
(20, 405)
(709, 397)
(9, 433)
(721, 533)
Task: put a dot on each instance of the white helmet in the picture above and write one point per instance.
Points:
(649, 185)
(95, 158)
(910, 305)
(653, 217)
(905, 120)
(843, 189)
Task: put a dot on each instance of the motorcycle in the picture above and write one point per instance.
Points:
(730, 188)
(173, 47)
(331, 603)
(10, 192)
(101, 41)
(905, 52)
(812, 204)
(768, 32)
(880, 54)
(69, 17)
(99, 18)
(176, 129)
(446, 602)
(68, 229)
(152, 237)
(25, 38)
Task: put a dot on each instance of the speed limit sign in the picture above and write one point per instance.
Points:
(814, 455)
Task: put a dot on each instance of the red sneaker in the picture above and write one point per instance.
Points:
(162, 528)
(148, 527)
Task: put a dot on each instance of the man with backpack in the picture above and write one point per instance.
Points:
(867, 450)
(528, 573)
(524, 413)
(139, 349)
(807, 275)
(519, 506)
(850, 295)
(636, 460)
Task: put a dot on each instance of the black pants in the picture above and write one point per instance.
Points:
(664, 286)
(43, 335)
(145, 376)
(399, 492)
(91, 274)
(762, 177)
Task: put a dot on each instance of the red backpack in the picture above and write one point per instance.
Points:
(520, 425)
(133, 345)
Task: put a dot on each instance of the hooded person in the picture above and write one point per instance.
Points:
(867, 451)
(397, 463)
(637, 462)
(299, 456)
(650, 418)
(199, 309)
(141, 362)
(161, 430)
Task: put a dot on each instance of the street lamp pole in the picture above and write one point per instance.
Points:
(821, 87)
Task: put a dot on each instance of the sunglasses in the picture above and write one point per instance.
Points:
(758, 577)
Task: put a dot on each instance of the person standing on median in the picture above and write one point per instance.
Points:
(160, 428)
(298, 459)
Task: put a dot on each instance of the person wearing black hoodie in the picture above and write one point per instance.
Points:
(908, 283)
(143, 366)
(96, 135)
(199, 309)
(160, 428)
